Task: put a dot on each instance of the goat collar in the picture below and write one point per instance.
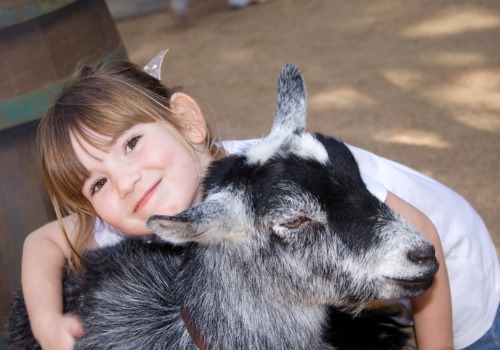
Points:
(197, 337)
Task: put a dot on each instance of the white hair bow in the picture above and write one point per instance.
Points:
(153, 68)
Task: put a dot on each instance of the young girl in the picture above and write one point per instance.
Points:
(117, 146)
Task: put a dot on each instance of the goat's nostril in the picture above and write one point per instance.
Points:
(423, 254)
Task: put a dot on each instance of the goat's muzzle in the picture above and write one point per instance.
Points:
(424, 257)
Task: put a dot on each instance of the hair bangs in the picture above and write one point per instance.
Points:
(63, 172)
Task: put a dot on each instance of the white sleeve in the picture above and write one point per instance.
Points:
(375, 187)
(237, 146)
(106, 235)
(368, 166)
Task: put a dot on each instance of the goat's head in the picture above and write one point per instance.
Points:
(295, 204)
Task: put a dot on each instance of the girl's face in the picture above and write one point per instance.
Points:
(146, 171)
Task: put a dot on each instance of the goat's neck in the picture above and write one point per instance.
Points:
(230, 309)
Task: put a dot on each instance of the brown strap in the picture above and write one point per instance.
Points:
(197, 337)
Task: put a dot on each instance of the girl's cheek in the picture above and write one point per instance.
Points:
(103, 207)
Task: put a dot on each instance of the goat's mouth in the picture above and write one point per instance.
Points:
(413, 285)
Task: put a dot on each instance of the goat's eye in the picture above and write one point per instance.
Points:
(295, 223)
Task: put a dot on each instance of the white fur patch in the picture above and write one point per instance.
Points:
(303, 145)
(308, 147)
(264, 150)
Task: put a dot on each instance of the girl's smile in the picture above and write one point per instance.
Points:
(147, 196)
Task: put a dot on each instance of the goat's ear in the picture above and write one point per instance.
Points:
(209, 222)
(290, 116)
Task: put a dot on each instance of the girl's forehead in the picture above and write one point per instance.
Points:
(91, 134)
(88, 142)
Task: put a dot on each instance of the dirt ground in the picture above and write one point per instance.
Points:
(415, 81)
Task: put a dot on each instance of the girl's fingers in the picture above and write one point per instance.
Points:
(74, 326)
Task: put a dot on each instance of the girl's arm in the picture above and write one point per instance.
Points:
(44, 254)
(432, 310)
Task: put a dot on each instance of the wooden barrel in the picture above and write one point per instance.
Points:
(40, 44)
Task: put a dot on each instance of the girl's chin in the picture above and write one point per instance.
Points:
(137, 229)
(169, 211)
(139, 233)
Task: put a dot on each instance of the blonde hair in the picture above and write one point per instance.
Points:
(105, 99)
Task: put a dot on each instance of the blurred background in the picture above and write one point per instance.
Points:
(417, 82)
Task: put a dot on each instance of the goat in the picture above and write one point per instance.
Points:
(287, 231)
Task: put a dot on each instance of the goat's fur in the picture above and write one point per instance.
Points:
(287, 229)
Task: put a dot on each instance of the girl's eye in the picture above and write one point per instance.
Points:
(296, 223)
(131, 143)
(96, 187)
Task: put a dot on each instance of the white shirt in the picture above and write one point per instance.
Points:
(470, 255)
(471, 260)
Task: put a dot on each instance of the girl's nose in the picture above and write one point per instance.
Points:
(126, 181)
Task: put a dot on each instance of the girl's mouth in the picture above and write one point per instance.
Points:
(147, 196)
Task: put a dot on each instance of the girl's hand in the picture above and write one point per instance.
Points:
(60, 333)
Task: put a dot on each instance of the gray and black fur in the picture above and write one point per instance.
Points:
(287, 241)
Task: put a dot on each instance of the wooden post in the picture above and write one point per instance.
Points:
(41, 43)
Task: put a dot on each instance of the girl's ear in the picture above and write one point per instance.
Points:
(192, 122)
